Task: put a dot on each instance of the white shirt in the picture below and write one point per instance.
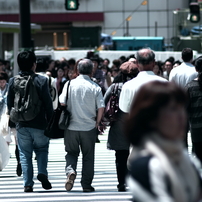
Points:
(84, 98)
(131, 87)
(183, 74)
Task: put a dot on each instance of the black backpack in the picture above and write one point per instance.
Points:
(27, 103)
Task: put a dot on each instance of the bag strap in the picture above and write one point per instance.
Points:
(115, 89)
(67, 91)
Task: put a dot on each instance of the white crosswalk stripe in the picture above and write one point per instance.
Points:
(105, 181)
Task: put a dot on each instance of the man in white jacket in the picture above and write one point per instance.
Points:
(146, 63)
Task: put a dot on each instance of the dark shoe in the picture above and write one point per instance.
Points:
(28, 189)
(91, 189)
(70, 181)
(121, 187)
(19, 170)
(44, 181)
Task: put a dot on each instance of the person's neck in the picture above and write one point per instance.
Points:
(2, 88)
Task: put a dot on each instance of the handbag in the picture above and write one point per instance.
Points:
(112, 107)
(52, 130)
(65, 115)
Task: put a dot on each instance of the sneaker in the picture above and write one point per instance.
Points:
(70, 181)
(28, 189)
(44, 181)
(91, 189)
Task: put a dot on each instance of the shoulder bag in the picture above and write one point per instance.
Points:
(112, 107)
(53, 130)
(65, 115)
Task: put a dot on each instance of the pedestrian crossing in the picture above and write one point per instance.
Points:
(105, 180)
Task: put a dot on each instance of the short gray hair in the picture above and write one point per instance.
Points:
(145, 56)
(85, 66)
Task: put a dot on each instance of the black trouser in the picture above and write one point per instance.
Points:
(121, 165)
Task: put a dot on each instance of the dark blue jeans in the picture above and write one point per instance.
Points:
(29, 140)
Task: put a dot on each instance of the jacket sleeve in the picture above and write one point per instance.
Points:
(11, 95)
(46, 99)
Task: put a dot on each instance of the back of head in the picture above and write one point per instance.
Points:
(145, 56)
(116, 63)
(85, 66)
(71, 61)
(187, 54)
(26, 60)
(150, 99)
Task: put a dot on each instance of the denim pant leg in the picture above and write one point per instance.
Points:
(25, 145)
(41, 146)
(88, 139)
(71, 141)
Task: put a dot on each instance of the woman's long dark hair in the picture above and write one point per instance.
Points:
(150, 98)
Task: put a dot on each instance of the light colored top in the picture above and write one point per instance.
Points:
(131, 87)
(84, 98)
(183, 74)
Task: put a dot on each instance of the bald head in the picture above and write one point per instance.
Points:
(146, 59)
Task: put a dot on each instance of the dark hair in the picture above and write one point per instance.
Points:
(159, 64)
(198, 66)
(63, 64)
(187, 54)
(71, 61)
(2, 61)
(41, 65)
(122, 58)
(107, 60)
(148, 101)
(116, 63)
(85, 66)
(169, 60)
(144, 57)
(25, 60)
(177, 62)
(3, 76)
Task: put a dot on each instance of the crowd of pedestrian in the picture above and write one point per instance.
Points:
(159, 102)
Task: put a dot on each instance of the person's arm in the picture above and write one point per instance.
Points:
(99, 116)
(46, 99)
(99, 125)
(10, 95)
(100, 110)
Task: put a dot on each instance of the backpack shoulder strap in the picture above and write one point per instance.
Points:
(67, 90)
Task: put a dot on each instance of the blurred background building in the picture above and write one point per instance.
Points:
(60, 27)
